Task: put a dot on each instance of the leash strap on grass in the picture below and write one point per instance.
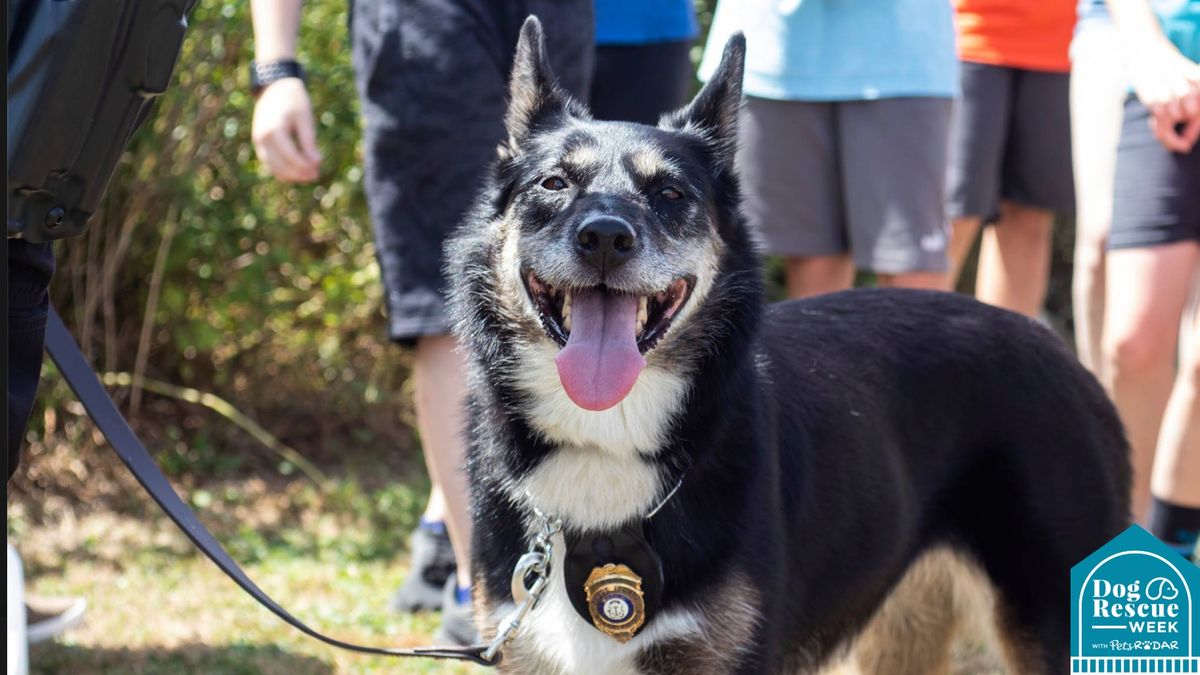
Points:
(121, 438)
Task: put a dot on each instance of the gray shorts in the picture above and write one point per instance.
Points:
(1011, 141)
(865, 177)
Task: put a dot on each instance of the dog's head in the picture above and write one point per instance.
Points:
(607, 249)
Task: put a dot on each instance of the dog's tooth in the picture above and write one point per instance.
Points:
(566, 310)
(567, 323)
(639, 327)
(642, 313)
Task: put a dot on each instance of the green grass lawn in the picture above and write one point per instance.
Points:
(333, 557)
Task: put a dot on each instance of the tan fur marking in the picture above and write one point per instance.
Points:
(582, 157)
(940, 597)
(648, 162)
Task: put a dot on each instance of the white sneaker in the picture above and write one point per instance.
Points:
(48, 617)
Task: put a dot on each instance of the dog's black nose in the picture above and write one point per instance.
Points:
(606, 241)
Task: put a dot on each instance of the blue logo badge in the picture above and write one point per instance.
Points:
(1135, 609)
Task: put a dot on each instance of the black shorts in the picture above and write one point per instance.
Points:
(432, 76)
(1156, 197)
(638, 83)
(1011, 141)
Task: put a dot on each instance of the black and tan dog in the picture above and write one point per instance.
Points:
(781, 485)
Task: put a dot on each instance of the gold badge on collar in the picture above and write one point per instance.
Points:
(615, 601)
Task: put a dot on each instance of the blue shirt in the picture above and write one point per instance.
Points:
(1181, 24)
(840, 50)
(1091, 10)
(639, 22)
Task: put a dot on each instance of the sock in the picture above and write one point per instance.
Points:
(432, 526)
(1178, 526)
(462, 595)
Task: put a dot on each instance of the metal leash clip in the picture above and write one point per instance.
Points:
(529, 581)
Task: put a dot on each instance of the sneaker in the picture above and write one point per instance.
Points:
(432, 564)
(458, 619)
(48, 617)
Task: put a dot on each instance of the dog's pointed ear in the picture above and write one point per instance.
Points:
(713, 114)
(534, 96)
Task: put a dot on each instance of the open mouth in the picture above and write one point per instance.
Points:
(558, 308)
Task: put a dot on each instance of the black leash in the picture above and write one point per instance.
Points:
(83, 381)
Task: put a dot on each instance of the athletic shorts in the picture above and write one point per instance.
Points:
(432, 76)
(1156, 198)
(1011, 141)
(859, 177)
(638, 83)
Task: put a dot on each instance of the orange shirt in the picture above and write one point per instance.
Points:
(1030, 34)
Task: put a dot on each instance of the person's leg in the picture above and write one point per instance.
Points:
(1014, 259)
(1175, 481)
(963, 233)
(816, 275)
(978, 134)
(439, 375)
(1036, 182)
(931, 281)
(1098, 94)
(1147, 289)
(1151, 272)
(788, 161)
(638, 83)
(30, 268)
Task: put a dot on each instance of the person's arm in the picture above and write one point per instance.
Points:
(1166, 81)
(283, 131)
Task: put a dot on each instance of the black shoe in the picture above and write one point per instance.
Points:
(432, 564)
(458, 620)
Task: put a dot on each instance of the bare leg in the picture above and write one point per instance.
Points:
(935, 281)
(435, 508)
(1014, 261)
(1147, 289)
(440, 379)
(963, 232)
(1176, 477)
(1097, 108)
(815, 275)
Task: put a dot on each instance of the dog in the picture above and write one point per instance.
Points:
(745, 488)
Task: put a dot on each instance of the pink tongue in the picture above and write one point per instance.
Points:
(601, 361)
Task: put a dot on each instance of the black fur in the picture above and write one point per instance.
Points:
(827, 442)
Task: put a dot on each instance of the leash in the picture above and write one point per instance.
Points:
(123, 441)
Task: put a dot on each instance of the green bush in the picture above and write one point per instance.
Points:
(263, 293)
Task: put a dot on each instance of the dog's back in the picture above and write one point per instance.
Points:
(972, 427)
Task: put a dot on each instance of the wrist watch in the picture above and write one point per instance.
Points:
(263, 74)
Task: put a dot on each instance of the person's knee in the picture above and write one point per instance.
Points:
(1132, 353)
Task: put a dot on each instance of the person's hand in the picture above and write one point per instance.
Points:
(1168, 84)
(284, 132)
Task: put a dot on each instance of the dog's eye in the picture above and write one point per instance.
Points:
(671, 193)
(554, 183)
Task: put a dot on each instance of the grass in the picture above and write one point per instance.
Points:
(155, 605)
(332, 557)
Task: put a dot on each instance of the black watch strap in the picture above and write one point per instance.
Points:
(263, 74)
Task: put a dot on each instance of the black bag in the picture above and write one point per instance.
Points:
(82, 75)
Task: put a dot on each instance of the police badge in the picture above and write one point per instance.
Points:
(615, 601)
